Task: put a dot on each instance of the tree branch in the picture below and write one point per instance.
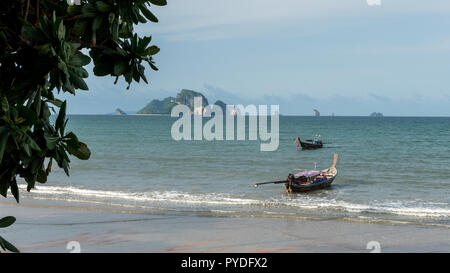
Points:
(27, 9)
(37, 12)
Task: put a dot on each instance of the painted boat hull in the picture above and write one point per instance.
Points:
(312, 187)
(306, 145)
(293, 187)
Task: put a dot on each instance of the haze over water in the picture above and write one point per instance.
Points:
(390, 170)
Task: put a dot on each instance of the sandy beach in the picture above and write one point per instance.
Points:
(50, 229)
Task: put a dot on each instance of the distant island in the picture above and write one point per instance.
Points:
(184, 97)
(119, 112)
(376, 114)
(158, 106)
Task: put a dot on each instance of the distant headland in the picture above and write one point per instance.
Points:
(376, 115)
(185, 97)
(164, 106)
(119, 112)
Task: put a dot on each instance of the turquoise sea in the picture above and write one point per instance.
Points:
(391, 170)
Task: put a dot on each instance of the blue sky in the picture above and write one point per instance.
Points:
(344, 57)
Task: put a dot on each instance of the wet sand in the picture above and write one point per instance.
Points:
(50, 229)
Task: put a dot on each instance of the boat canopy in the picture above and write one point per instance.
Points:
(308, 173)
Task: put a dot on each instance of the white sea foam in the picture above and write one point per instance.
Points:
(74, 194)
(398, 208)
(154, 196)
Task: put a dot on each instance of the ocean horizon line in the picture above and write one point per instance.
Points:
(285, 115)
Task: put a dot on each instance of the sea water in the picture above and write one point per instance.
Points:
(391, 169)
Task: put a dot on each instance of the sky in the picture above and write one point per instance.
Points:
(347, 57)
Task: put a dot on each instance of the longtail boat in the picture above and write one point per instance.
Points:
(308, 180)
(309, 143)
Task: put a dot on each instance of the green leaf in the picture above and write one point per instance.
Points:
(71, 139)
(80, 27)
(77, 148)
(128, 78)
(143, 43)
(141, 72)
(49, 166)
(51, 141)
(8, 246)
(77, 81)
(33, 35)
(119, 68)
(61, 31)
(80, 59)
(115, 30)
(136, 75)
(89, 10)
(81, 152)
(56, 102)
(5, 105)
(15, 190)
(42, 176)
(153, 66)
(7, 221)
(134, 43)
(28, 140)
(102, 6)
(111, 18)
(153, 50)
(141, 19)
(13, 113)
(158, 2)
(97, 23)
(4, 189)
(30, 185)
(61, 118)
(27, 149)
(102, 69)
(63, 67)
(4, 135)
(148, 14)
(74, 9)
(29, 115)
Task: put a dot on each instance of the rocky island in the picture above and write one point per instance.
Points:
(158, 106)
(119, 112)
(164, 107)
(376, 115)
(184, 97)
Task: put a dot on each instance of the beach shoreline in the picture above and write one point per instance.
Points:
(50, 229)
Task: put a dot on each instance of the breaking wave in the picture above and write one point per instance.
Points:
(217, 201)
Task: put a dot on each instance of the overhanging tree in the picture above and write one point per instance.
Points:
(43, 47)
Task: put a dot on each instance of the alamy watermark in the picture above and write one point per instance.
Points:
(374, 247)
(74, 247)
(213, 128)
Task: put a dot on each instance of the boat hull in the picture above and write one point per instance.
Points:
(330, 173)
(312, 187)
(307, 146)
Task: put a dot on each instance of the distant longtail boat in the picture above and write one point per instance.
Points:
(309, 143)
